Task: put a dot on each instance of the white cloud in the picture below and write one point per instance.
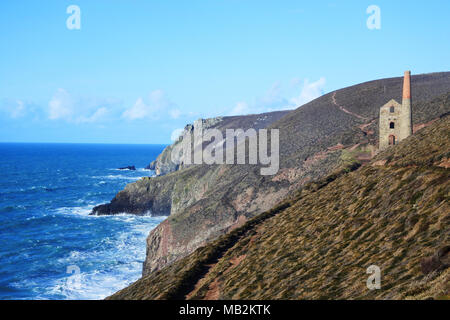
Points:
(239, 109)
(148, 108)
(99, 114)
(75, 109)
(176, 134)
(138, 111)
(295, 82)
(175, 113)
(14, 108)
(276, 99)
(61, 105)
(18, 110)
(273, 99)
(309, 92)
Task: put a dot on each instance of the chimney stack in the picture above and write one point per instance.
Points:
(406, 114)
(407, 85)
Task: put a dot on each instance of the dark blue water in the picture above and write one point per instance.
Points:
(50, 247)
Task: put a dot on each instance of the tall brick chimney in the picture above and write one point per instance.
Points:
(406, 114)
(407, 85)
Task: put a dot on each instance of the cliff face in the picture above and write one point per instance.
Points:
(163, 163)
(318, 244)
(174, 189)
(206, 201)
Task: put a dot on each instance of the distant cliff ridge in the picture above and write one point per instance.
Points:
(163, 164)
(205, 201)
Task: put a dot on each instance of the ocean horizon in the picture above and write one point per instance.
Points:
(51, 247)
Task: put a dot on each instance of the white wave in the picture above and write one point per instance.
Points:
(118, 261)
(117, 177)
(37, 187)
(27, 190)
(81, 210)
(89, 286)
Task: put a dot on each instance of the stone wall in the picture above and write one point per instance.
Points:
(386, 117)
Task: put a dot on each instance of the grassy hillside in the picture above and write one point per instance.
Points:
(350, 115)
(205, 202)
(393, 213)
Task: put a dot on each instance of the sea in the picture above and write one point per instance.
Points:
(50, 247)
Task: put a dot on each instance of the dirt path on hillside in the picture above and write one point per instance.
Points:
(213, 288)
(333, 98)
(364, 127)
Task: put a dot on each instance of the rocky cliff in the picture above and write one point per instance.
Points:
(337, 129)
(163, 164)
(317, 244)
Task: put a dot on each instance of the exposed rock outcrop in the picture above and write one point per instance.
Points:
(132, 168)
(168, 193)
(163, 164)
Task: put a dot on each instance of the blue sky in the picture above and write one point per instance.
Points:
(138, 70)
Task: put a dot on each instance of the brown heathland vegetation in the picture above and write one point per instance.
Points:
(393, 213)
